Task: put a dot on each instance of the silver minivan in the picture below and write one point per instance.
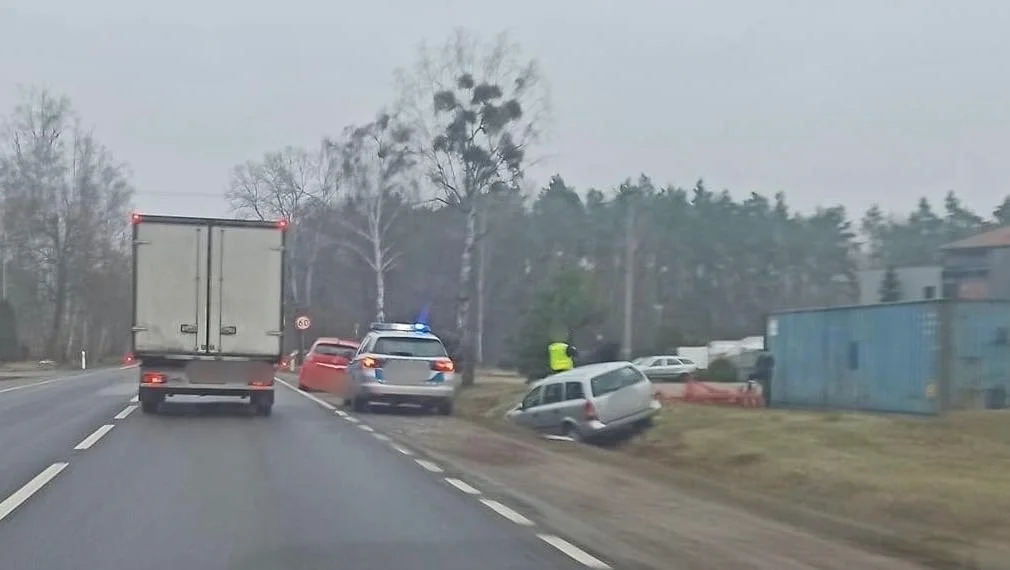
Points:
(587, 402)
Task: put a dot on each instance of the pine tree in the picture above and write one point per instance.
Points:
(890, 286)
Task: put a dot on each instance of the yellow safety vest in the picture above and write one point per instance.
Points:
(557, 353)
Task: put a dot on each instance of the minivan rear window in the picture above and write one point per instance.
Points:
(406, 346)
(615, 380)
(334, 350)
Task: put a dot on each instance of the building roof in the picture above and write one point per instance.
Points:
(1000, 237)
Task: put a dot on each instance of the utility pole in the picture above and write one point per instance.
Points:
(629, 277)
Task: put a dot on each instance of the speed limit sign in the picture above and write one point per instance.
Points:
(303, 323)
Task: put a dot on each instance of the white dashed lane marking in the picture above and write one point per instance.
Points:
(569, 549)
(122, 415)
(462, 486)
(574, 552)
(134, 399)
(429, 465)
(506, 512)
(21, 495)
(94, 437)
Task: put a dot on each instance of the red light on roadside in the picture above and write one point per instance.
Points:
(136, 218)
(282, 224)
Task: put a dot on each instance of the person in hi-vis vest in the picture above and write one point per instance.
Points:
(561, 356)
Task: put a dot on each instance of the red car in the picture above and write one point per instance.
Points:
(325, 366)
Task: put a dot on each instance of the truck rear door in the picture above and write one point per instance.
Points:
(170, 289)
(246, 296)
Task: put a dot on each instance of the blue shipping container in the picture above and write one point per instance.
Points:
(919, 357)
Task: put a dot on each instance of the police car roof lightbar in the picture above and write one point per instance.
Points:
(402, 327)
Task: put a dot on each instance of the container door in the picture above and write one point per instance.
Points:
(246, 290)
(170, 288)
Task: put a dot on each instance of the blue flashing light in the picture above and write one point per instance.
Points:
(402, 327)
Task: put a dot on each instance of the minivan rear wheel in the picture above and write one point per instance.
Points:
(569, 430)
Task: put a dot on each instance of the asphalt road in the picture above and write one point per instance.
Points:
(209, 486)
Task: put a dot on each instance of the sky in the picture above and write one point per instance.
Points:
(849, 102)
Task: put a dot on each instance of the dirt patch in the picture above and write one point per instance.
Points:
(938, 485)
(631, 520)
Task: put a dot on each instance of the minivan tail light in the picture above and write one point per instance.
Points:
(589, 410)
(154, 378)
(443, 365)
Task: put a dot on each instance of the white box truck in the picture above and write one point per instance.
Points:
(207, 308)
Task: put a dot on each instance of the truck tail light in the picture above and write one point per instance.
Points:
(443, 365)
(136, 218)
(153, 378)
(590, 411)
(261, 383)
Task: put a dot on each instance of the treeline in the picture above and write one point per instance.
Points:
(424, 210)
(64, 270)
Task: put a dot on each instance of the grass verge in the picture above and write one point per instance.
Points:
(942, 483)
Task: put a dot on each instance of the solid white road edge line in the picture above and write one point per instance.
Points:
(52, 381)
(462, 486)
(341, 413)
(403, 450)
(364, 427)
(319, 401)
(94, 437)
(21, 495)
(506, 512)
(126, 411)
(428, 465)
(574, 552)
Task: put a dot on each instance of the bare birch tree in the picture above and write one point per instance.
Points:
(477, 109)
(287, 184)
(65, 202)
(375, 162)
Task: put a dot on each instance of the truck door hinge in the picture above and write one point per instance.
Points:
(138, 329)
(188, 329)
(229, 330)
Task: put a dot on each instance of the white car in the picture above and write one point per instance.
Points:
(665, 368)
(399, 363)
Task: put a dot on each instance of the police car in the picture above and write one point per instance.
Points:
(401, 363)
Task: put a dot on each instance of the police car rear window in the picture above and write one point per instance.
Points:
(406, 346)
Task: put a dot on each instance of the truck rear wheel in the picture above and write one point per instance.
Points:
(263, 404)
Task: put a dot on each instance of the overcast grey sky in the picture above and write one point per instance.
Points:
(830, 101)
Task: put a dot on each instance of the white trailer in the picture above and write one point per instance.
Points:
(207, 308)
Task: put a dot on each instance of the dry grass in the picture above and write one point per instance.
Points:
(948, 476)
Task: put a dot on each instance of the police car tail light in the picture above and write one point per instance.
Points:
(371, 362)
(590, 411)
(443, 365)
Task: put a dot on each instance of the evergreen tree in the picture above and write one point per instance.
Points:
(890, 286)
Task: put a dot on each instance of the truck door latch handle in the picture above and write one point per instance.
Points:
(229, 330)
(188, 329)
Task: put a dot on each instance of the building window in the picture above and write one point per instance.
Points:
(929, 292)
